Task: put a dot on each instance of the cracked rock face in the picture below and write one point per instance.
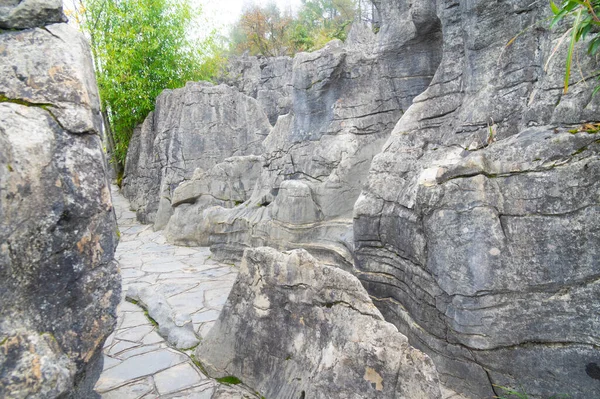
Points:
(24, 14)
(193, 127)
(294, 328)
(59, 283)
(225, 185)
(267, 79)
(478, 232)
(345, 100)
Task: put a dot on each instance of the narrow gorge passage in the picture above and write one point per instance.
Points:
(138, 362)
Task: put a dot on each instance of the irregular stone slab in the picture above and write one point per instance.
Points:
(177, 378)
(207, 315)
(295, 328)
(133, 319)
(203, 391)
(133, 390)
(121, 346)
(477, 233)
(188, 301)
(134, 334)
(139, 350)
(138, 366)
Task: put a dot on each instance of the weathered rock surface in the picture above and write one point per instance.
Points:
(345, 100)
(193, 127)
(293, 328)
(227, 184)
(267, 79)
(176, 327)
(23, 14)
(478, 233)
(59, 283)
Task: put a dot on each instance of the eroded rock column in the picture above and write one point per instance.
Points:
(477, 234)
(59, 285)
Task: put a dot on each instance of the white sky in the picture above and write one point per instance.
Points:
(223, 13)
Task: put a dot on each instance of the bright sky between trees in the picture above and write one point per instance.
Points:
(223, 13)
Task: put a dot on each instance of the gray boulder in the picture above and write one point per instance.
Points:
(293, 328)
(346, 98)
(59, 283)
(193, 127)
(176, 327)
(477, 234)
(23, 14)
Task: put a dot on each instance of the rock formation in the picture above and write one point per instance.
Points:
(345, 100)
(478, 233)
(293, 328)
(267, 79)
(58, 282)
(193, 127)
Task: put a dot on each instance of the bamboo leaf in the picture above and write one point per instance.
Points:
(571, 48)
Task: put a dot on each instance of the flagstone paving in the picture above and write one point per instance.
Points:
(138, 362)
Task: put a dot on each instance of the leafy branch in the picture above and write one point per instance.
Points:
(584, 14)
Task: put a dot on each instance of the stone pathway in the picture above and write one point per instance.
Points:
(138, 362)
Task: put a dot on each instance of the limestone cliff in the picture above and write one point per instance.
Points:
(267, 79)
(59, 284)
(478, 232)
(345, 100)
(477, 229)
(193, 127)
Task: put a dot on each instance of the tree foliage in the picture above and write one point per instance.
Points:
(586, 24)
(270, 32)
(140, 48)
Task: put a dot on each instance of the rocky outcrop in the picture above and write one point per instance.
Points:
(193, 127)
(59, 283)
(345, 100)
(226, 185)
(292, 328)
(477, 234)
(267, 79)
(24, 14)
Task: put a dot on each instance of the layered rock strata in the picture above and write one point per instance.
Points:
(59, 283)
(345, 100)
(193, 127)
(293, 328)
(478, 233)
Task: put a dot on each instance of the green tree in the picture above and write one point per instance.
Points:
(140, 48)
(264, 30)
